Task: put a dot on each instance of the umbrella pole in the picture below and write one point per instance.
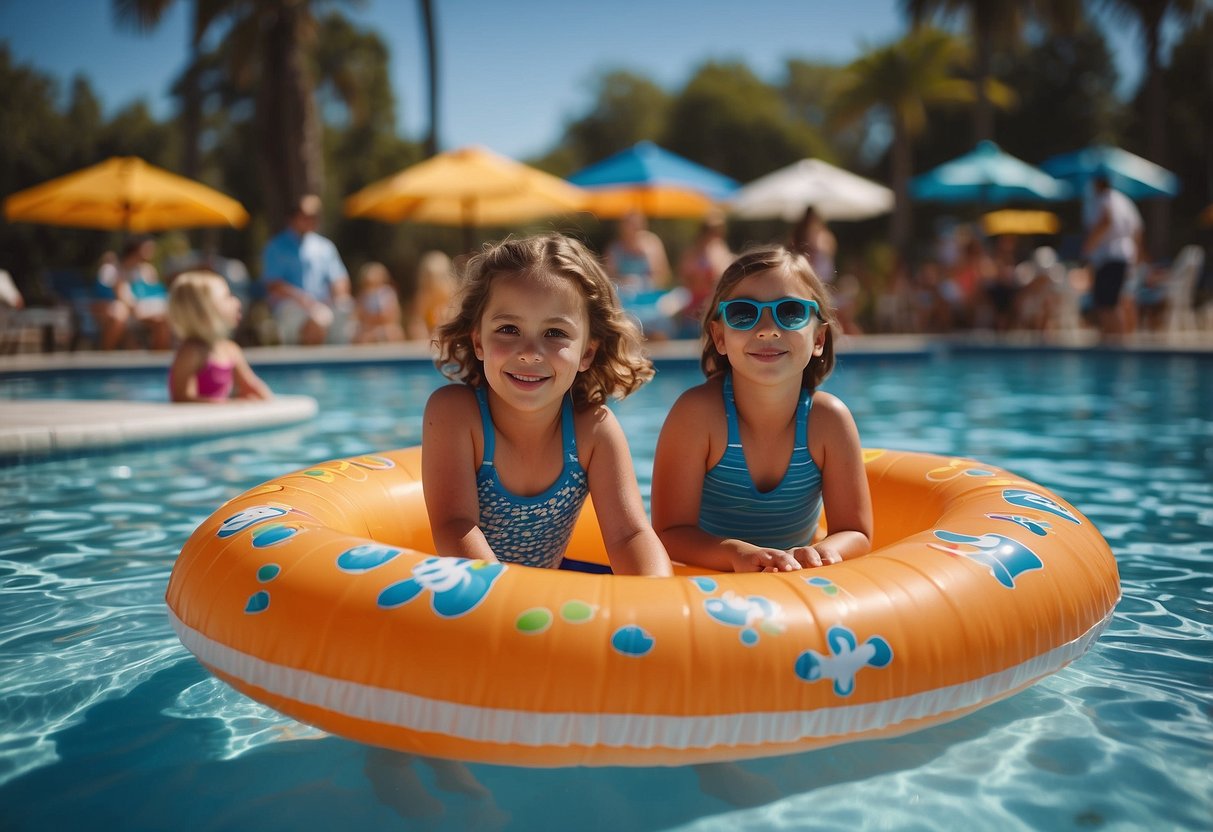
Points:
(468, 241)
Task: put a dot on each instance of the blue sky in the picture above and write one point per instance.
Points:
(513, 71)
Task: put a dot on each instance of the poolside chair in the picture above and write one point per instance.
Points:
(1181, 314)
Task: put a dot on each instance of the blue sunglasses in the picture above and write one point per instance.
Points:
(789, 313)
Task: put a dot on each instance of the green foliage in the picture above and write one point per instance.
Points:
(627, 108)
(733, 122)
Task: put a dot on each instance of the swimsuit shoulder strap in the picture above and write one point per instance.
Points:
(568, 434)
(486, 421)
(730, 410)
(802, 414)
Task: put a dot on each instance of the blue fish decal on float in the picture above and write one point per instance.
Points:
(1006, 559)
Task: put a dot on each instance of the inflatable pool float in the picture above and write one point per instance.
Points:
(314, 594)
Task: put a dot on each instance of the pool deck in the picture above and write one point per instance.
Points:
(39, 427)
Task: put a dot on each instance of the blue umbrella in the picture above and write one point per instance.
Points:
(987, 175)
(653, 180)
(1133, 176)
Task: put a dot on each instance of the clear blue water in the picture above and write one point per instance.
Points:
(107, 722)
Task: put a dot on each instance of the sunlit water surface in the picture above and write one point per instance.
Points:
(107, 722)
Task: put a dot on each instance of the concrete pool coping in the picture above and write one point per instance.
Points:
(31, 429)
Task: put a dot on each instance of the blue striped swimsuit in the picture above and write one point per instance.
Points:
(782, 518)
(532, 531)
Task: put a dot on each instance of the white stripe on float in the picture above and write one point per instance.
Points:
(530, 728)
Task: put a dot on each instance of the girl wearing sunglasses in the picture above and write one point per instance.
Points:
(746, 460)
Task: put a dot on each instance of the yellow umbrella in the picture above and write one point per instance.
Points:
(470, 187)
(1012, 221)
(126, 194)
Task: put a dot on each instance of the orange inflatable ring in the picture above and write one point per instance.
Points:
(314, 594)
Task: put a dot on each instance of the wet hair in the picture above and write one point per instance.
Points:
(758, 261)
(619, 366)
(192, 311)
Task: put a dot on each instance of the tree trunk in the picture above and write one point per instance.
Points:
(1158, 212)
(899, 225)
(431, 52)
(288, 127)
(983, 110)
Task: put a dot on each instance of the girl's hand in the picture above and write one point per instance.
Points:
(757, 559)
(810, 556)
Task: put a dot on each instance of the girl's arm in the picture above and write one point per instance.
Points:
(631, 543)
(683, 455)
(248, 384)
(844, 484)
(183, 372)
(448, 473)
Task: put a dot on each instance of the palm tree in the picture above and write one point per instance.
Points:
(272, 39)
(994, 25)
(901, 80)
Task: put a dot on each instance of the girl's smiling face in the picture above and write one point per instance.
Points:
(533, 338)
(768, 351)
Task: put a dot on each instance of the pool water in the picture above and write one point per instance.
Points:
(108, 722)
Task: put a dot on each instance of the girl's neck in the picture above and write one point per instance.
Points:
(524, 429)
(765, 406)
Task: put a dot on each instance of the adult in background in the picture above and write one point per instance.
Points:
(306, 283)
(699, 269)
(1113, 243)
(814, 239)
(138, 285)
(636, 259)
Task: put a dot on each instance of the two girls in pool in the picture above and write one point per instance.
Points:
(540, 342)
(744, 462)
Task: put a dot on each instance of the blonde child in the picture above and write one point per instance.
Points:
(208, 364)
(746, 460)
(539, 342)
(377, 307)
(433, 296)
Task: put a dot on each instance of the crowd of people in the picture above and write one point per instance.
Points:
(969, 282)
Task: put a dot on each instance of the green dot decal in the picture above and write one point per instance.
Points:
(534, 621)
(268, 572)
(576, 612)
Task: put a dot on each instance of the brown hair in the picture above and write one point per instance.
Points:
(757, 261)
(619, 366)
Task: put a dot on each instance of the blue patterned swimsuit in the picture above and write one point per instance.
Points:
(782, 518)
(532, 531)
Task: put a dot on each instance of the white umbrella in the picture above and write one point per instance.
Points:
(834, 193)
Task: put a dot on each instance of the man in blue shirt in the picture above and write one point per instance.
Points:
(306, 283)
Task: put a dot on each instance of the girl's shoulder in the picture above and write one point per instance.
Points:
(454, 400)
(829, 411)
(594, 421)
(699, 408)
(709, 394)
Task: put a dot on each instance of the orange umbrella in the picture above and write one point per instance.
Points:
(470, 187)
(124, 194)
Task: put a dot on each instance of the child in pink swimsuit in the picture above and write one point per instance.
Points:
(208, 365)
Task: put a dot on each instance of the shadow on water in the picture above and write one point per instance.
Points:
(128, 766)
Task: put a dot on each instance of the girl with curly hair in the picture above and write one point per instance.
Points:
(539, 342)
